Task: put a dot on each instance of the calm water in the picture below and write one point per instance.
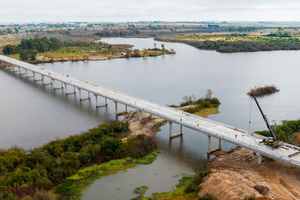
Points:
(33, 114)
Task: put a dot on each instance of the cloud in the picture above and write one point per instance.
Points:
(136, 10)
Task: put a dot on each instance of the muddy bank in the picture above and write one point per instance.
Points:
(236, 175)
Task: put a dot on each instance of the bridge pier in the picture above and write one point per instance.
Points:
(58, 88)
(66, 90)
(29, 76)
(37, 79)
(102, 104)
(211, 150)
(20, 71)
(259, 158)
(140, 115)
(13, 66)
(85, 98)
(120, 113)
(51, 81)
(171, 135)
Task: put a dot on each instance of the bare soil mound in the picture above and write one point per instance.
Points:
(236, 174)
(226, 185)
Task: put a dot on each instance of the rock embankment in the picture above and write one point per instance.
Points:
(146, 126)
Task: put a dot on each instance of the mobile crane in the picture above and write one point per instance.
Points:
(272, 140)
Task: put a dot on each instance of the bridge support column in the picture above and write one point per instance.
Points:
(211, 150)
(14, 70)
(175, 134)
(29, 76)
(151, 116)
(51, 81)
(20, 72)
(259, 158)
(82, 98)
(38, 79)
(99, 105)
(106, 102)
(140, 115)
(58, 88)
(170, 129)
(66, 90)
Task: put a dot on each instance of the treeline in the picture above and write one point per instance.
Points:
(116, 33)
(251, 45)
(242, 29)
(287, 131)
(280, 33)
(29, 47)
(27, 174)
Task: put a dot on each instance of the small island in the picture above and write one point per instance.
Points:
(261, 91)
(201, 107)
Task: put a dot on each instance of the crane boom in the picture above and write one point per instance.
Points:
(265, 117)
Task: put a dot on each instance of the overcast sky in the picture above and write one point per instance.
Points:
(148, 10)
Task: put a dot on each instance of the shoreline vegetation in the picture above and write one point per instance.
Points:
(45, 50)
(201, 107)
(65, 168)
(237, 42)
(261, 91)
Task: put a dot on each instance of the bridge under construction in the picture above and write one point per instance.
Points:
(287, 153)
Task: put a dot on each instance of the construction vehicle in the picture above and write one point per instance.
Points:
(271, 140)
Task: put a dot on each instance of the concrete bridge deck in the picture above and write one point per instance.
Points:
(288, 153)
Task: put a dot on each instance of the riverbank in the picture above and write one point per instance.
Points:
(64, 168)
(75, 185)
(234, 42)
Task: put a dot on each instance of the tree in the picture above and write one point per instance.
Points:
(32, 55)
(16, 31)
(24, 54)
(10, 49)
(85, 56)
(208, 94)
(163, 48)
(8, 30)
(155, 48)
(145, 53)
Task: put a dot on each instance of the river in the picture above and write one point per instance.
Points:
(33, 114)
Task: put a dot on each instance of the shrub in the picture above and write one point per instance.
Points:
(215, 101)
(43, 195)
(190, 188)
(206, 104)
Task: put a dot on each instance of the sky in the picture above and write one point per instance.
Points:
(141, 10)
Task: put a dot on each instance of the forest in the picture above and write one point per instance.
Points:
(32, 174)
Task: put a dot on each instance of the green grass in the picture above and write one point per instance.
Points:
(74, 186)
(179, 192)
